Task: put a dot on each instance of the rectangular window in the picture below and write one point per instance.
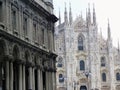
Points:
(14, 23)
(35, 31)
(25, 24)
(42, 37)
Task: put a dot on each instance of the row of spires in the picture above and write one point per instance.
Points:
(88, 18)
(88, 15)
(108, 32)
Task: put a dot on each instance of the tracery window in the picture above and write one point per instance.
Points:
(103, 62)
(82, 65)
(80, 43)
(61, 78)
(118, 76)
(103, 77)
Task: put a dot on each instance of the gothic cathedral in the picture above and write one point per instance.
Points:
(86, 61)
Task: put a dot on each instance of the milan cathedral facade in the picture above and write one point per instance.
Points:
(86, 61)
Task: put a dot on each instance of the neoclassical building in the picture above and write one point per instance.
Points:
(27, 55)
(86, 61)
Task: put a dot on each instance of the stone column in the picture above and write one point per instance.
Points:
(54, 80)
(11, 76)
(41, 80)
(51, 79)
(48, 80)
(23, 84)
(46, 76)
(20, 77)
(33, 78)
(7, 75)
(38, 72)
(30, 79)
(53, 83)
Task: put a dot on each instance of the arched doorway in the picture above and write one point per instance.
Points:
(83, 88)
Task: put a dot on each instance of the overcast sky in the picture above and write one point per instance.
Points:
(104, 9)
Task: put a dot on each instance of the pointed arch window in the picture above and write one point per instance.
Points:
(118, 76)
(103, 62)
(103, 77)
(82, 65)
(61, 78)
(80, 43)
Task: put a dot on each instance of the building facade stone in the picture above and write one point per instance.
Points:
(27, 59)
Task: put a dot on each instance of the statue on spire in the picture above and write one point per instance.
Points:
(94, 15)
(89, 14)
(70, 14)
(59, 17)
(118, 47)
(109, 32)
(65, 15)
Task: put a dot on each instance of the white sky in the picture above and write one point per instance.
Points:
(104, 9)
